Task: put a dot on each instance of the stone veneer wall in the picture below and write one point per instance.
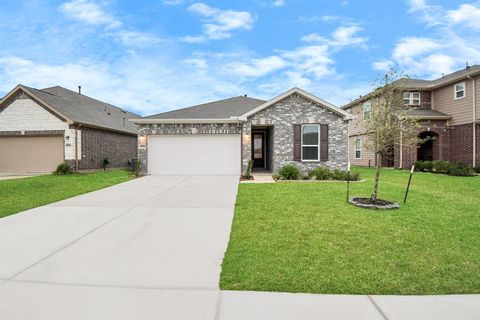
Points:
(176, 129)
(297, 110)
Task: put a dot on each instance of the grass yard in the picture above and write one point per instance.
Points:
(303, 237)
(21, 194)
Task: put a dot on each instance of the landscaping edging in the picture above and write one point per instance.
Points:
(386, 206)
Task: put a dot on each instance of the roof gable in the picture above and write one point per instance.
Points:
(78, 108)
(305, 95)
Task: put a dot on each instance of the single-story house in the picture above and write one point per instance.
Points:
(221, 137)
(39, 129)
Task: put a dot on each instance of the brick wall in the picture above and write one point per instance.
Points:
(461, 143)
(100, 144)
(440, 145)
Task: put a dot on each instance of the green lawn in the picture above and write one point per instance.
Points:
(303, 237)
(26, 193)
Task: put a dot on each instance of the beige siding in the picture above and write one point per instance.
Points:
(477, 102)
(461, 110)
(367, 155)
(357, 125)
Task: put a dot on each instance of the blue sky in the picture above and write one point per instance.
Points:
(154, 56)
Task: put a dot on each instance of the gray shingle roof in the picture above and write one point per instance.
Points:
(85, 110)
(420, 84)
(221, 109)
(428, 114)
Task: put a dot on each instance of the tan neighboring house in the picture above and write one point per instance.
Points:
(449, 110)
(41, 128)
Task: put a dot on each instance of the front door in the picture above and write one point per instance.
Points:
(258, 149)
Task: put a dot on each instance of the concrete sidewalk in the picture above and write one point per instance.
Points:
(269, 305)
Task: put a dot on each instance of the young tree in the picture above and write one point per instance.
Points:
(390, 122)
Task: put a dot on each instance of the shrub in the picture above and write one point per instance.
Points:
(354, 176)
(426, 166)
(321, 173)
(476, 169)
(460, 169)
(339, 174)
(440, 166)
(289, 172)
(63, 169)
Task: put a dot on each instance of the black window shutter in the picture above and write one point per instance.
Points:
(297, 142)
(324, 142)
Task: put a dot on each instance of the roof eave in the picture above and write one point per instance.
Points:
(173, 121)
(431, 117)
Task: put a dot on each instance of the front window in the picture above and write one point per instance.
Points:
(310, 142)
(358, 148)
(367, 109)
(411, 98)
(460, 90)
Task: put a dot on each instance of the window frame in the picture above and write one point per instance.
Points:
(455, 91)
(369, 103)
(310, 145)
(411, 98)
(360, 147)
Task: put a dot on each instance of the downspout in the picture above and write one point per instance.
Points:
(76, 146)
(474, 113)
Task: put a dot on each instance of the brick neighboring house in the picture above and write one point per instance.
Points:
(221, 137)
(40, 129)
(449, 111)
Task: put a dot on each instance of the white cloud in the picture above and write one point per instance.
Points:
(412, 47)
(142, 85)
(347, 35)
(256, 67)
(89, 12)
(219, 24)
(278, 3)
(466, 14)
(134, 38)
(172, 2)
(314, 37)
(453, 40)
(383, 65)
(199, 64)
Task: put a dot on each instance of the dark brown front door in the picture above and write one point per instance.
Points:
(258, 149)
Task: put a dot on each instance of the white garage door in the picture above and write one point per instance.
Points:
(194, 154)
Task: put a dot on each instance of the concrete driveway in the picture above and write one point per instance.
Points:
(148, 248)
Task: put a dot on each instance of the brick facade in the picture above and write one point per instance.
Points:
(461, 143)
(98, 144)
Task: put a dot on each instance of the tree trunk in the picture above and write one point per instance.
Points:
(377, 178)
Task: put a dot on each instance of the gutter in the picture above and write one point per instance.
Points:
(175, 121)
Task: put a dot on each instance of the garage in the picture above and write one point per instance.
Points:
(30, 154)
(194, 154)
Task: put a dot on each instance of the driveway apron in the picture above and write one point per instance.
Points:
(147, 248)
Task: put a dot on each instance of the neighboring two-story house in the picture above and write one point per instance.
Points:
(449, 112)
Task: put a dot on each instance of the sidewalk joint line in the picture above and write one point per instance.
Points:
(113, 286)
(384, 316)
